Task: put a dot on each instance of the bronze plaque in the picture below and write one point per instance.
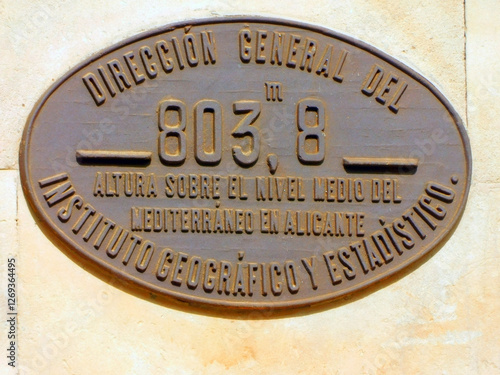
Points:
(245, 162)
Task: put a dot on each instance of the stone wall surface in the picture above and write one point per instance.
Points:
(440, 318)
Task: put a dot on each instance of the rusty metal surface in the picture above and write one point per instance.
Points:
(245, 162)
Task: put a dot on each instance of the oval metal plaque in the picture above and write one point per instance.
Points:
(246, 162)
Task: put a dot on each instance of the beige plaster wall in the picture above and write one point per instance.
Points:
(440, 318)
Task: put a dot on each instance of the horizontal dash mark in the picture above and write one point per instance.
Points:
(380, 165)
(106, 157)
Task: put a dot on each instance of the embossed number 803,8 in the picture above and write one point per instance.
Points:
(172, 118)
